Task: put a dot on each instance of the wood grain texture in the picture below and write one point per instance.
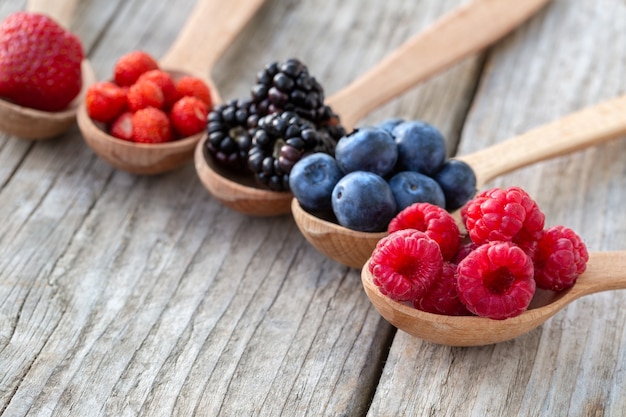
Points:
(126, 295)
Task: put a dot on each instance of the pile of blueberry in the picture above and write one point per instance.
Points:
(379, 170)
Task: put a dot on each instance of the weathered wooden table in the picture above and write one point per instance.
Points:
(128, 295)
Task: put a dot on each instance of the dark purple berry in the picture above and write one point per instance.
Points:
(458, 182)
(367, 149)
(421, 147)
(288, 86)
(409, 187)
(229, 133)
(312, 180)
(363, 201)
(279, 141)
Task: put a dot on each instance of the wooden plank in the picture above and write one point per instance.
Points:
(573, 365)
(123, 295)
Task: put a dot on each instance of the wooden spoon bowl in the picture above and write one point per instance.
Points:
(238, 191)
(579, 130)
(185, 57)
(139, 158)
(347, 246)
(457, 35)
(32, 124)
(605, 271)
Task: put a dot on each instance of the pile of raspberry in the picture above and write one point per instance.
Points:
(493, 271)
(145, 104)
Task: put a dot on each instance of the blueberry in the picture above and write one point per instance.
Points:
(458, 182)
(389, 124)
(410, 187)
(367, 149)
(421, 147)
(312, 180)
(363, 201)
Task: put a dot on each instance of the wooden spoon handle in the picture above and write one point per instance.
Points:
(60, 10)
(576, 131)
(457, 35)
(210, 28)
(605, 271)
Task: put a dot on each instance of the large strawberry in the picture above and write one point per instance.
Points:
(39, 62)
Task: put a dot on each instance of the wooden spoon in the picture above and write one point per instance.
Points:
(605, 271)
(585, 128)
(457, 35)
(196, 49)
(32, 124)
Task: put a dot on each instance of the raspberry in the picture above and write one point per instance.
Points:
(405, 264)
(496, 280)
(122, 127)
(165, 83)
(129, 67)
(437, 223)
(464, 250)
(560, 258)
(189, 116)
(443, 297)
(151, 125)
(195, 87)
(508, 214)
(144, 94)
(40, 62)
(105, 101)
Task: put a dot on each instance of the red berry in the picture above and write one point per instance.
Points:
(151, 125)
(40, 62)
(122, 127)
(464, 250)
(496, 280)
(130, 66)
(405, 264)
(443, 297)
(437, 223)
(144, 94)
(195, 87)
(560, 258)
(508, 214)
(105, 101)
(165, 83)
(189, 116)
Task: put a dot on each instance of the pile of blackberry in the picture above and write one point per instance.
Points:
(284, 119)
(229, 127)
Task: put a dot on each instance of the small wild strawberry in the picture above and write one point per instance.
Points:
(129, 67)
(105, 101)
(195, 87)
(165, 83)
(151, 125)
(144, 94)
(189, 116)
(122, 127)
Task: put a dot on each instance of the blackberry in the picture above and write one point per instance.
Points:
(282, 88)
(230, 133)
(279, 141)
(288, 86)
(328, 122)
